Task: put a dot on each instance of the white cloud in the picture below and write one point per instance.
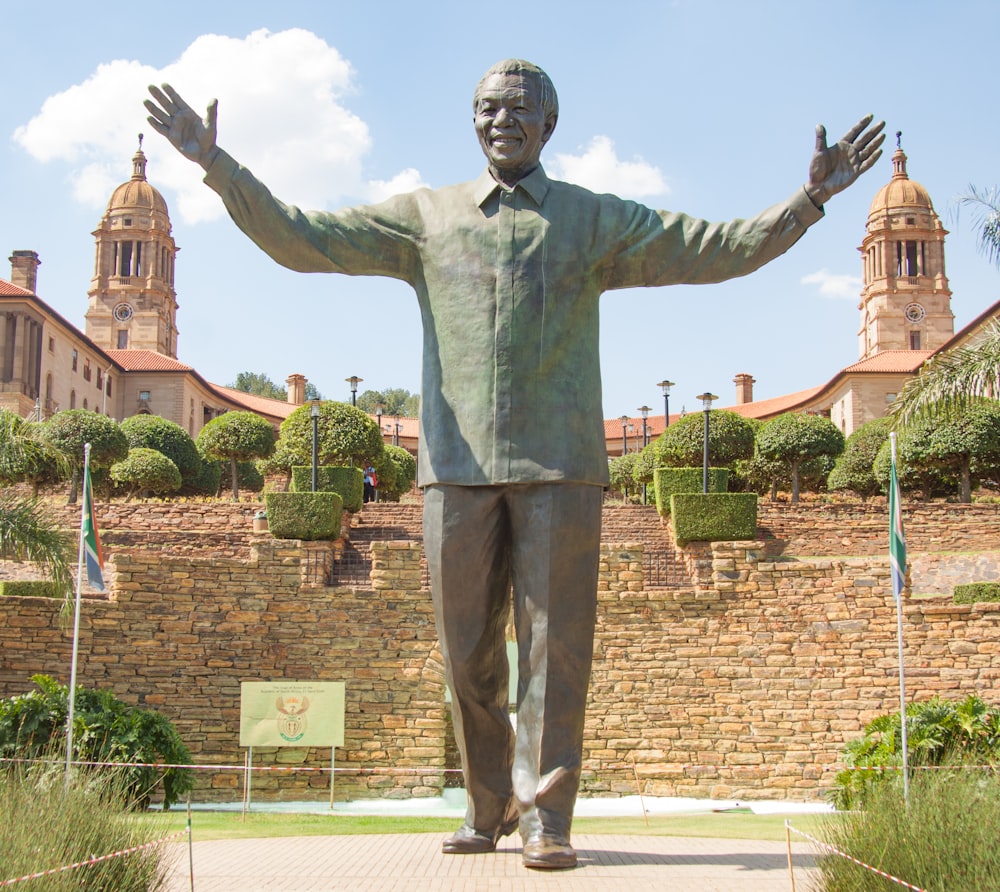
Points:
(600, 170)
(834, 285)
(404, 181)
(281, 112)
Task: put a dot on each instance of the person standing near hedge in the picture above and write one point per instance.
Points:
(508, 270)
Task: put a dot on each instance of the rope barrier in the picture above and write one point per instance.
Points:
(835, 851)
(241, 768)
(95, 859)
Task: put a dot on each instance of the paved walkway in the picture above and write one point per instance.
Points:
(414, 863)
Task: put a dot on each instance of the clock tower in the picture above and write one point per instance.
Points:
(132, 302)
(905, 301)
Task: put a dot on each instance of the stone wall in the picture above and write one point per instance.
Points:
(744, 683)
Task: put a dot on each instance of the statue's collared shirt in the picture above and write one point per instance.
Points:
(509, 283)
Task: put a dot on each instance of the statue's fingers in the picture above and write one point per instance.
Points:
(176, 99)
(852, 134)
(869, 162)
(156, 113)
(212, 115)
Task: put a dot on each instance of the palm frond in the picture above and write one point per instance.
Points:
(951, 381)
(985, 208)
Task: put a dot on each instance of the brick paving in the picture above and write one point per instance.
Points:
(414, 863)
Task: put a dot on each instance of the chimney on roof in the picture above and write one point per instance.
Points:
(744, 388)
(24, 269)
(296, 389)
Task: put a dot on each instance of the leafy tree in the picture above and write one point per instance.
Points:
(105, 730)
(259, 384)
(395, 401)
(915, 468)
(206, 480)
(620, 469)
(154, 432)
(28, 534)
(854, 469)
(967, 446)
(146, 470)
(793, 438)
(402, 476)
(345, 436)
(985, 204)
(730, 437)
(249, 477)
(70, 430)
(238, 437)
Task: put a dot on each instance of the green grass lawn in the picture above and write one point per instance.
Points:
(208, 825)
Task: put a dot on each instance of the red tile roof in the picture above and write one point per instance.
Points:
(776, 405)
(9, 289)
(262, 405)
(897, 361)
(146, 361)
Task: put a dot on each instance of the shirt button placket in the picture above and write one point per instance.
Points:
(503, 373)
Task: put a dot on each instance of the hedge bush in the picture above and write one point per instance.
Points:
(976, 593)
(348, 483)
(714, 516)
(303, 515)
(31, 588)
(667, 481)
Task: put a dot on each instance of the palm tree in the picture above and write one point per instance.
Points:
(949, 382)
(27, 534)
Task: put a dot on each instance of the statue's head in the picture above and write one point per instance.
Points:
(515, 109)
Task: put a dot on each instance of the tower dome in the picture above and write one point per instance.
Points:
(137, 195)
(900, 194)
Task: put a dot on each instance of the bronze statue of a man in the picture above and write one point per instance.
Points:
(508, 270)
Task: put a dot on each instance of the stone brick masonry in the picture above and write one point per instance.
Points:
(744, 683)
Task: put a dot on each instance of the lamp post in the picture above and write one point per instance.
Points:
(314, 414)
(706, 403)
(379, 409)
(354, 381)
(644, 411)
(665, 386)
(395, 432)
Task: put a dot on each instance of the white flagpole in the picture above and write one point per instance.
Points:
(899, 641)
(76, 620)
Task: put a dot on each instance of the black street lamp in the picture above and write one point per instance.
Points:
(379, 409)
(395, 432)
(706, 403)
(665, 389)
(624, 421)
(314, 414)
(644, 411)
(354, 381)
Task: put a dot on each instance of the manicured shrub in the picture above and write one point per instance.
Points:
(154, 432)
(714, 517)
(303, 515)
(31, 588)
(667, 481)
(976, 593)
(348, 483)
(146, 471)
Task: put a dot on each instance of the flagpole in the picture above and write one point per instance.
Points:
(897, 549)
(84, 507)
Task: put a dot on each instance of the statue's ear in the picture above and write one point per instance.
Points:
(550, 126)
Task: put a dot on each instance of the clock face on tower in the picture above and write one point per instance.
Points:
(122, 312)
(914, 313)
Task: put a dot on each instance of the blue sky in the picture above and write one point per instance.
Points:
(705, 106)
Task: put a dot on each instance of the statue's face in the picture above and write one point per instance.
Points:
(511, 124)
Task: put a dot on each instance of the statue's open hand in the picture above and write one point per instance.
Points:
(834, 168)
(171, 116)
